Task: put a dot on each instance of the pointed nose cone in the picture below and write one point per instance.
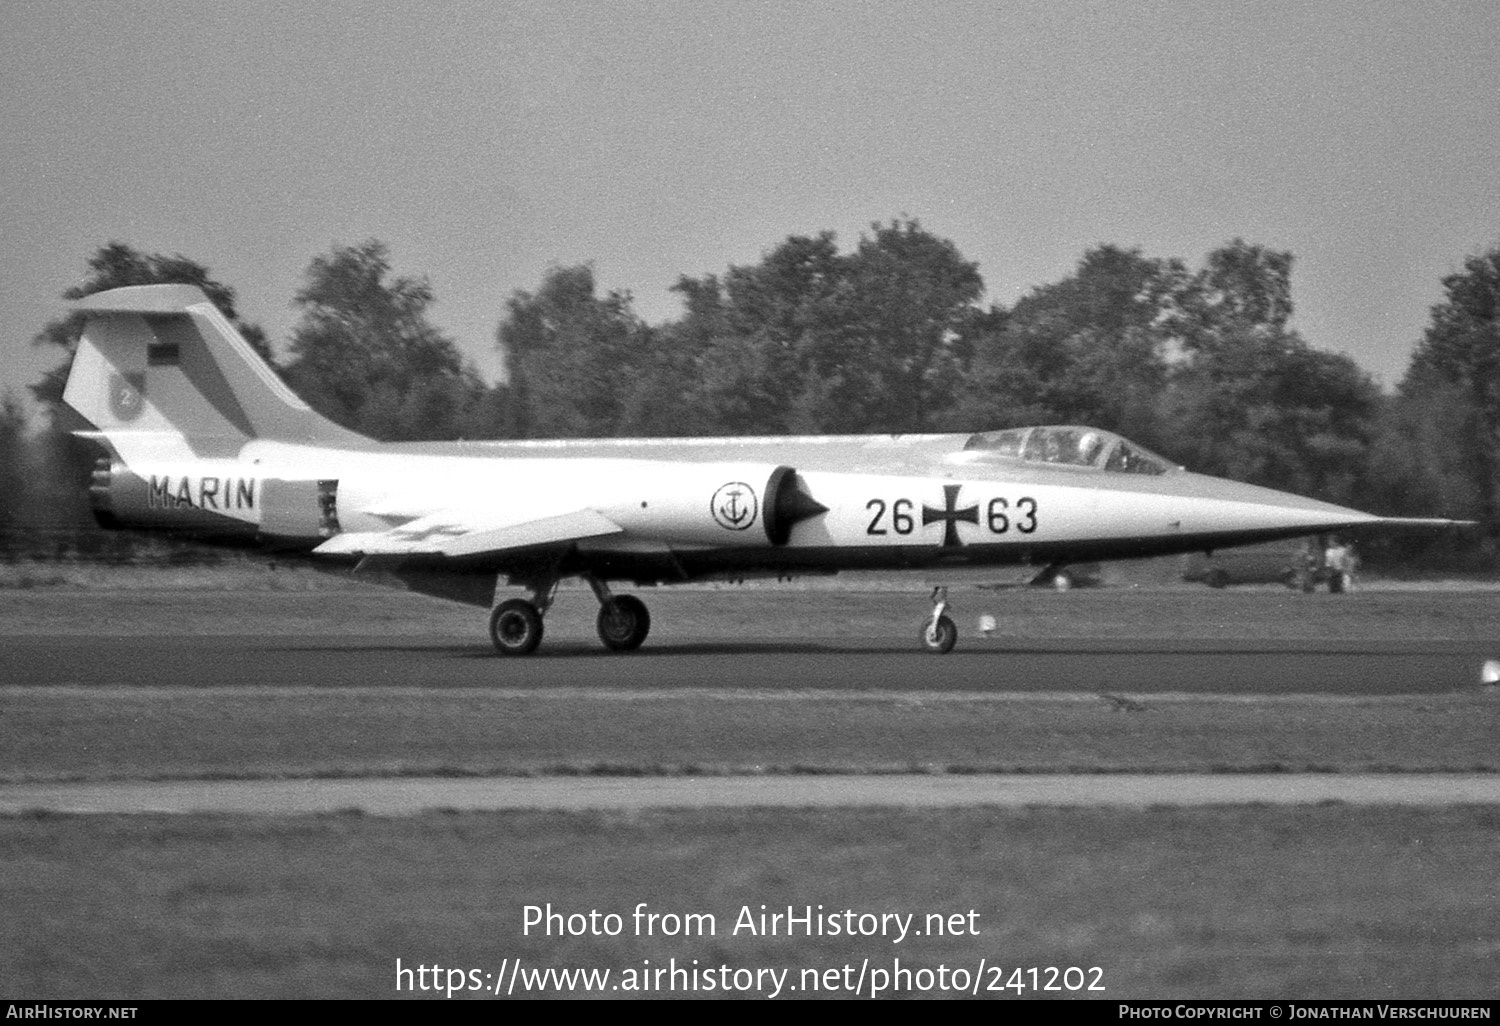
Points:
(1216, 505)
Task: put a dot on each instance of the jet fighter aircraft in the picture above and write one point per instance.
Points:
(206, 441)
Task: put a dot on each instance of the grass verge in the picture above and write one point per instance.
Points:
(1322, 902)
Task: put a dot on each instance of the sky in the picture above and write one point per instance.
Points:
(484, 142)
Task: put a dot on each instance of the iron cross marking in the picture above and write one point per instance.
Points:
(951, 515)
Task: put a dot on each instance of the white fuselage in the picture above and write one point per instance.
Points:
(930, 502)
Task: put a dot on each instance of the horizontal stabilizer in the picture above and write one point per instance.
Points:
(458, 533)
(143, 299)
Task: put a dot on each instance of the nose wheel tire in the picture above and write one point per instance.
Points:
(516, 627)
(939, 637)
(623, 623)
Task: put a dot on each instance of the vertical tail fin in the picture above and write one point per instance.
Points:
(160, 369)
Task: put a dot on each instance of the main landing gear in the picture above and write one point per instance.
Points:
(939, 634)
(623, 620)
(516, 624)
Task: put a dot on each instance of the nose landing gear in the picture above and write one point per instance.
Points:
(939, 634)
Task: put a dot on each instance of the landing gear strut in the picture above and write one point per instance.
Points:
(623, 621)
(939, 633)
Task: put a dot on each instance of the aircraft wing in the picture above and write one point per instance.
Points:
(469, 533)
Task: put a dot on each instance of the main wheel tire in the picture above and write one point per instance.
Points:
(940, 638)
(623, 623)
(516, 627)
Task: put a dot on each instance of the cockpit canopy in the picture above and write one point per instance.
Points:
(1065, 445)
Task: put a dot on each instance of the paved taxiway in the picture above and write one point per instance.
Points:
(1332, 667)
(411, 795)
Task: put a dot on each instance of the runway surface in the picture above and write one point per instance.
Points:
(303, 661)
(409, 796)
(1331, 667)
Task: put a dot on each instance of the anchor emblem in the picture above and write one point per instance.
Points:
(734, 506)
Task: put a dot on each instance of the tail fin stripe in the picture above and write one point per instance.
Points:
(226, 331)
(196, 369)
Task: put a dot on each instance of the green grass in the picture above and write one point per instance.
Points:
(1324, 902)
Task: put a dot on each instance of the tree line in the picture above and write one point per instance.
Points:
(1198, 363)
